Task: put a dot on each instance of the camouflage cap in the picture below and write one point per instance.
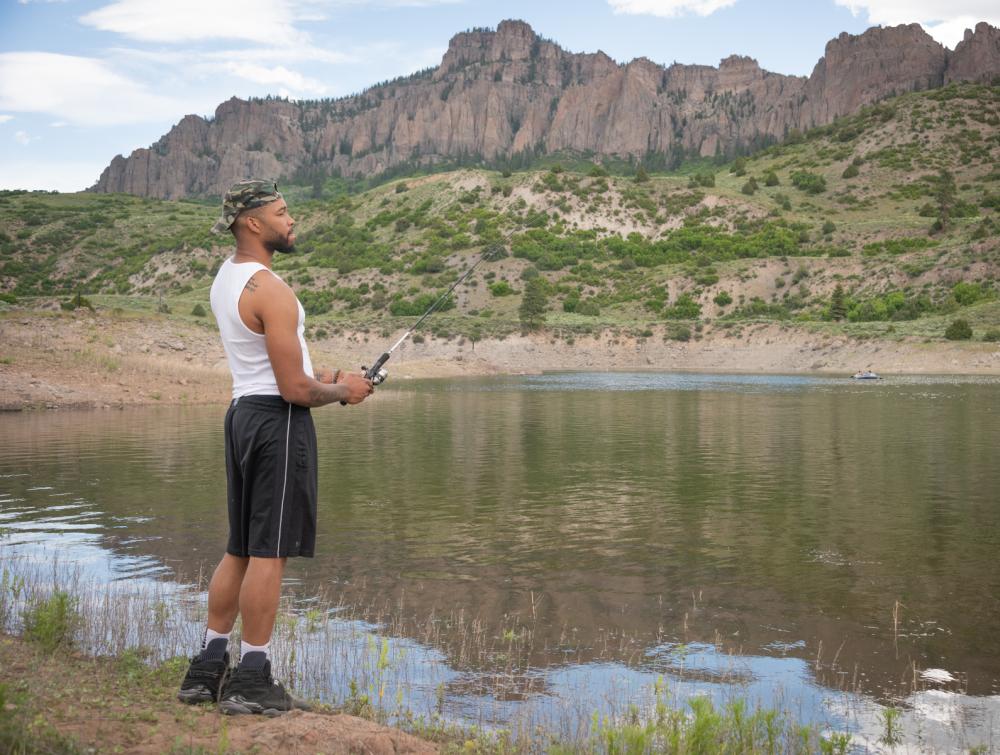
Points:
(245, 195)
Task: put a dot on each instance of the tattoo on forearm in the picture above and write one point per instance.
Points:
(251, 286)
(321, 394)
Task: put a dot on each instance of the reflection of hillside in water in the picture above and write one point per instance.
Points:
(607, 523)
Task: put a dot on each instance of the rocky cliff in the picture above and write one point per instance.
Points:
(500, 94)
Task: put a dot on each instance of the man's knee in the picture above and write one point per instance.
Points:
(264, 565)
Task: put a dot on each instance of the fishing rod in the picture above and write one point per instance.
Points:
(377, 372)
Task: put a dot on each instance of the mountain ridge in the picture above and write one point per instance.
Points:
(508, 94)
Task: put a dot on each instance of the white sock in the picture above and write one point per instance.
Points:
(246, 647)
(211, 634)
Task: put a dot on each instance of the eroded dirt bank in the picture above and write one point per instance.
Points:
(103, 360)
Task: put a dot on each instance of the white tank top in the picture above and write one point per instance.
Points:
(246, 350)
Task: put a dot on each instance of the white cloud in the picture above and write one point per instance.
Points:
(669, 8)
(945, 20)
(49, 176)
(24, 138)
(180, 21)
(58, 124)
(5, 118)
(209, 60)
(290, 81)
(79, 90)
(269, 22)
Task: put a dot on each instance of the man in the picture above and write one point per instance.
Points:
(270, 451)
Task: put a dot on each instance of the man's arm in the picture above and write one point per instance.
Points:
(275, 305)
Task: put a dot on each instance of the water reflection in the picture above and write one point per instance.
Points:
(810, 534)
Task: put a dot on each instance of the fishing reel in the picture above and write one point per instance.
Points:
(376, 375)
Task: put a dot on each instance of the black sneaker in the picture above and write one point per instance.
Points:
(250, 690)
(204, 680)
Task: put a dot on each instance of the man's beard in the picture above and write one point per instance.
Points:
(281, 246)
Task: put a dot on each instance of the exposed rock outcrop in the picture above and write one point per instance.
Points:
(976, 57)
(498, 94)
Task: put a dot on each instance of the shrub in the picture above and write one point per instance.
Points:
(679, 333)
(77, 302)
(588, 307)
(723, 299)
(501, 288)
(959, 330)
(685, 308)
(416, 307)
(750, 187)
(428, 264)
(993, 334)
(828, 228)
(706, 179)
(52, 622)
(810, 183)
(968, 293)
(739, 166)
(771, 178)
(198, 311)
(851, 171)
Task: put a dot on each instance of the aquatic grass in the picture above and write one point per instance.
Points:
(52, 621)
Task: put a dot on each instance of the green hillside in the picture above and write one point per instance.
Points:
(885, 223)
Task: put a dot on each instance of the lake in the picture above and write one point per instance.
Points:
(809, 542)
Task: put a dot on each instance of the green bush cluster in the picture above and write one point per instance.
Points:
(967, 294)
(684, 308)
(958, 330)
(401, 307)
(345, 246)
(550, 252)
(810, 183)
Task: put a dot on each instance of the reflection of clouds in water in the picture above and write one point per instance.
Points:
(930, 720)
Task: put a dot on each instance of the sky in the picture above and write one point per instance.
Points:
(84, 80)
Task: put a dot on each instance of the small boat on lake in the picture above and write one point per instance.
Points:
(865, 375)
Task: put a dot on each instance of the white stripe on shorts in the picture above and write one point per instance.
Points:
(284, 482)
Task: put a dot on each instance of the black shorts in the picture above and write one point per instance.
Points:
(271, 475)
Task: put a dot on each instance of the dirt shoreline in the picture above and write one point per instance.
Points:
(96, 360)
(69, 702)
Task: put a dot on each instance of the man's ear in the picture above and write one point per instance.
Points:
(252, 223)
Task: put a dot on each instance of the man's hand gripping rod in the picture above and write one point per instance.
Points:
(377, 373)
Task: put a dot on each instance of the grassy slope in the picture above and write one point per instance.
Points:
(625, 250)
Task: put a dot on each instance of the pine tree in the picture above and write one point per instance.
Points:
(838, 303)
(534, 303)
